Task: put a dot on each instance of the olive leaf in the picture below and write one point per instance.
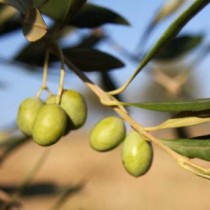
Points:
(167, 36)
(62, 9)
(180, 122)
(198, 147)
(169, 8)
(34, 27)
(166, 10)
(84, 58)
(6, 13)
(9, 19)
(32, 54)
(176, 106)
(91, 16)
(10, 26)
(92, 59)
(39, 3)
(21, 5)
(179, 46)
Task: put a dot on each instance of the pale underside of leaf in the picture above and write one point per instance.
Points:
(34, 27)
(179, 122)
(168, 9)
(21, 5)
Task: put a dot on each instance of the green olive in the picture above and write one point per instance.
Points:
(107, 134)
(27, 114)
(137, 154)
(49, 125)
(74, 105)
(51, 99)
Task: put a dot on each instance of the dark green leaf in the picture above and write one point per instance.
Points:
(92, 60)
(198, 147)
(179, 46)
(32, 54)
(178, 106)
(62, 9)
(85, 59)
(108, 83)
(90, 40)
(91, 16)
(39, 3)
(10, 26)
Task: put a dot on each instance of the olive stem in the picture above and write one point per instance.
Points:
(62, 75)
(45, 74)
(183, 161)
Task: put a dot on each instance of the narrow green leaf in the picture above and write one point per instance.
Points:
(198, 147)
(62, 9)
(34, 27)
(178, 106)
(179, 46)
(168, 35)
(92, 60)
(91, 16)
(166, 10)
(91, 40)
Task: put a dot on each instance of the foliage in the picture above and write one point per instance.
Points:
(66, 17)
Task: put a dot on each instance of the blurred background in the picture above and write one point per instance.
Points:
(72, 169)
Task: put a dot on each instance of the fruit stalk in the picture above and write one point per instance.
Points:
(45, 73)
(62, 75)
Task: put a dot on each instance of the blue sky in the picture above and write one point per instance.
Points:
(19, 84)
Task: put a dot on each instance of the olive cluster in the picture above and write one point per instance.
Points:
(136, 154)
(48, 121)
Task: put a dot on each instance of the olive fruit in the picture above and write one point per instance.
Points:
(51, 99)
(107, 134)
(137, 154)
(27, 114)
(74, 105)
(49, 125)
